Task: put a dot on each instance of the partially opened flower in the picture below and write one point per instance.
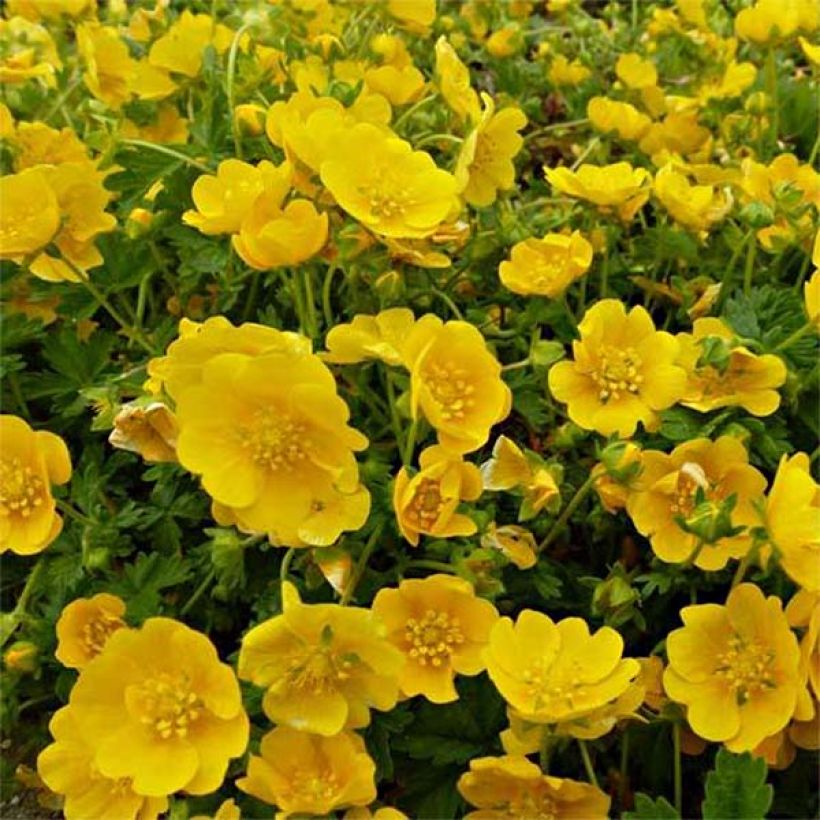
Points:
(149, 429)
(160, 692)
(84, 627)
(636, 72)
(567, 72)
(323, 666)
(697, 207)
(454, 83)
(109, 67)
(426, 503)
(512, 786)
(180, 48)
(624, 371)
(370, 337)
(736, 668)
(305, 774)
(515, 543)
(441, 627)
(622, 118)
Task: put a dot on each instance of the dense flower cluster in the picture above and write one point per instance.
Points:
(431, 363)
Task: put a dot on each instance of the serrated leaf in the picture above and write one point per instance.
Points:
(737, 788)
(648, 809)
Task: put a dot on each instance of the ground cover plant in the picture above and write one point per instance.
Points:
(409, 409)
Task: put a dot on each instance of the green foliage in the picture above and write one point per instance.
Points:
(648, 809)
(737, 788)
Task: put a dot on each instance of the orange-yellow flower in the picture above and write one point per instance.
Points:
(697, 207)
(85, 626)
(792, 517)
(426, 503)
(109, 68)
(553, 673)
(149, 429)
(680, 134)
(324, 666)
(667, 487)
(565, 72)
(512, 786)
(31, 462)
(370, 337)
(29, 52)
(635, 72)
(770, 20)
(744, 379)
(30, 216)
(387, 186)
(67, 767)
(485, 162)
(736, 668)
(304, 774)
(38, 144)
(441, 627)
(546, 266)
(624, 119)
(454, 83)
(455, 382)
(624, 371)
(160, 692)
(180, 49)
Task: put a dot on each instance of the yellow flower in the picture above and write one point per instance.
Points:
(546, 266)
(505, 41)
(38, 144)
(441, 628)
(455, 382)
(811, 297)
(28, 52)
(635, 72)
(85, 626)
(624, 119)
(744, 379)
(399, 85)
(167, 127)
(510, 468)
(678, 134)
(619, 186)
(484, 166)
(624, 371)
(811, 51)
(304, 774)
(180, 49)
(615, 477)
(736, 668)
(36, 10)
(323, 665)
(697, 207)
(667, 488)
(67, 767)
(426, 503)
(454, 83)
(769, 20)
(515, 543)
(31, 462)
(250, 118)
(552, 673)
(736, 78)
(149, 429)
(387, 186)
(161, 692)
(512, 786)
(269, 436)
(792, 519)
(370, 337)
(228, 810)
(384, 813)
(563, 72)
(413, 15)
(109, 68)
(30, 216)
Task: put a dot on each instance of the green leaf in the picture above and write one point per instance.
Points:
(737, 788)
(680, 424)
(648, 809)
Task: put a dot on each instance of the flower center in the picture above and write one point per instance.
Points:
(551, 693)
(97, 631)
(450, 390)
(746, 666)
(386, 201)
(426, 506)
(21, 490)
(692, 477)
(618, 372)
(547, 271)
(274, 440)
(167, 705)
(433, 637)
(535, 806)
(314, 787)
(318, 670)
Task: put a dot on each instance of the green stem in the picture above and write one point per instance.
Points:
(516, 365)
(589, 149)
(73, 512)
(14, 384)
(409, 444)
(744, 564)
(423, 563)
(428, 138)
(327, 308)
(677, 769)
(310, 303)
(19, 610)
(560, 523)
(798, 334)
(395, 421)
(558, 126)
(361, 564)
(545, 749)
(587, 763)
(624, 777)
(284, 568)
(412, 110)
(169, 152)
(253, 294)
(449, 302)
(748, 271)
(198, 593)
(730, 267)
(237, 131)
(771, 81)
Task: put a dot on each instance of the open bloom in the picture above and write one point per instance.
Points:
(770, 20)
(269, 436)
(624, 371)
(426, 503)
(552, 673)
(160, 692)
(618, 187)
(370, 337)
(744, 379)
(485, 162)
(67, 767)
(85, 626)
(666, 489)
(455, 382)
(792, 518)
(30, 463)
(180, 48)
(306, 774)
(546, 266)
(512, 786)
(736, 668)
(30, 216)
(636, 72)
(441, 627)
(694, 206)
(387, 186)
(109, 67)
(324, 666)
(624, 119)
